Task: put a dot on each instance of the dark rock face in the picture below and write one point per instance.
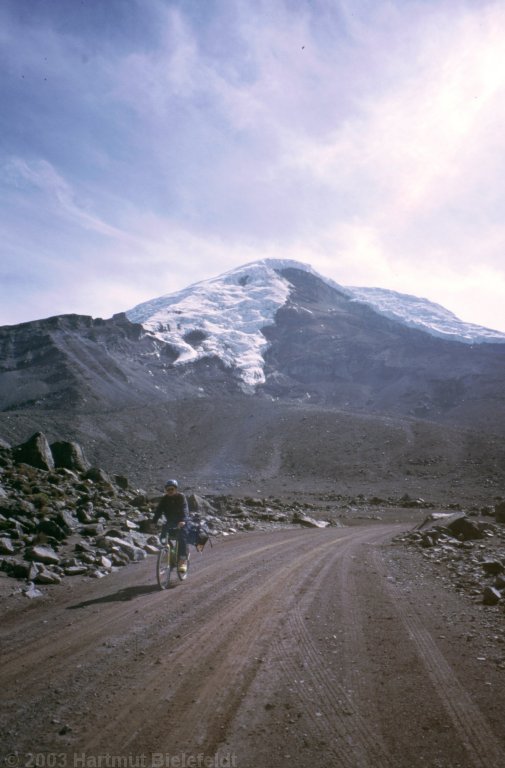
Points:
(341, 352)
(79, 363)
(36, 452)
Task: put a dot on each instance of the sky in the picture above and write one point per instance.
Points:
(149, 144)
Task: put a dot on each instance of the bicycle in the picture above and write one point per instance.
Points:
(168, 561)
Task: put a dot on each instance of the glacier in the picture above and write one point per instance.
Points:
(224, 316)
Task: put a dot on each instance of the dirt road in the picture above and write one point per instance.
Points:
(292, 648)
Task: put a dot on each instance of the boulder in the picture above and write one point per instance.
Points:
(465, 529)
(86, 513)
(147, 526)
(66, 521)
(35, 452)
(42, 554)
(491, 596)
(6, 546)
(51, 528)
(18, 569)
(309, 522)
(121, 481)
(98, 475)
(69, 455)
(31, 591)
(199, 504)
(492, 567)
(499, 512)
(47, 577)
(112, 543)
(76, 570)
(141, 500)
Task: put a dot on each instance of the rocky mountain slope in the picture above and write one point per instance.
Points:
(268, 376)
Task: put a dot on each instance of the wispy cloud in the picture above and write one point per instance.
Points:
(150, 145)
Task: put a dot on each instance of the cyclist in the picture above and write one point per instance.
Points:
(173, 507)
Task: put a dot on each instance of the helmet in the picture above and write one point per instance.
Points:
(171, 484)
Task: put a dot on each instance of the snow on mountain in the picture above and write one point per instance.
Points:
(224, 316)
(424, 315)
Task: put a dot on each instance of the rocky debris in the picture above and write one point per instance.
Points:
(60, 517)
(470, 549)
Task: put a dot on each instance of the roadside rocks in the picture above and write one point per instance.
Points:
(61, 517)
(470, 549)
(309, 522)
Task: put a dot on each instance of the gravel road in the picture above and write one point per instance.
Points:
(289, 648)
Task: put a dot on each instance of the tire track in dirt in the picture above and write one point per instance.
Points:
(357, 740)
(52, 655)
(37, 661)
(301, 691)
(470, 724)
(214, 668)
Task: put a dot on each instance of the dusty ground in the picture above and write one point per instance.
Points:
(289, 648)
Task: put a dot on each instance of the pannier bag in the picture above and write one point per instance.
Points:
(197, 535)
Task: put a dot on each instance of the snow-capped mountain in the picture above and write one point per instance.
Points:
(269, 372)
(270, 332)
(224, 316)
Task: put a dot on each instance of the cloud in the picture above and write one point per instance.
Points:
(179, 139)
(42, 176)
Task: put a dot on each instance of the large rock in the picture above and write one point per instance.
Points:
(114, 542)
(69, 455)
(466, 529)
(491, 596)
(98, 475)
(499, 512)
(47, 577)
(50, 527)
(6, 546)
(31, 591)
(42, 554)
(199, 504)
(121, 481)
(309, 522)
(35, 452)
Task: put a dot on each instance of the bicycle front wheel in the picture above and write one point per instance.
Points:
(163, 568)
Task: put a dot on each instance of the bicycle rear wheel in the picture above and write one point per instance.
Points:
(163, 567)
